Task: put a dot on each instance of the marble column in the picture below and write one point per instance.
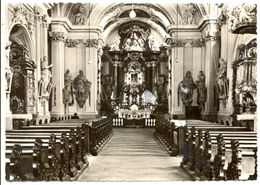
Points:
(57, 58)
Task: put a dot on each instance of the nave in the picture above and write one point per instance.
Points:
(99, 150)
(134, 154)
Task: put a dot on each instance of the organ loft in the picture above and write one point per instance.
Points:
(185, 72)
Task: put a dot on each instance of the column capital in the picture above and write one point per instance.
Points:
(213, 35)
(57, 36)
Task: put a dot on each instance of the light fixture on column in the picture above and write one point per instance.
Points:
(132, 14)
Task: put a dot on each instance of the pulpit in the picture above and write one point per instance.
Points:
(244, 86)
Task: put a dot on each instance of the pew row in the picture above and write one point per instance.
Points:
(69, 153)
(221, 157)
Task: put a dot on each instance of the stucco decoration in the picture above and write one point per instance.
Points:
(243, 19)
(81, 13)
(188, 13)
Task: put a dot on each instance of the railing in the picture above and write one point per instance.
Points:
(168, 134)
(100, 132)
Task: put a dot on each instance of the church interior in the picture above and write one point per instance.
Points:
(147, 81)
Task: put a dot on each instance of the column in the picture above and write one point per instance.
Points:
(8, 80)
(91, 69)
(148, 76)
(211, 64)
(57, 59)
(44, 48)
(120, 78)
(154, 75)
(115, 63)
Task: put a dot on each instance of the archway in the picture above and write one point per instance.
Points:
(22, 78)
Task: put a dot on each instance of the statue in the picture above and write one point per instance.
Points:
(201, 89)
(161, 90)
(108, 88)
(67, 91)
(115, 45)
(221, 79)
(46, 76)
(185, 89)
(82, 87)
(152, 45)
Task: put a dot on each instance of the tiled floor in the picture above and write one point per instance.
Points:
(134, 154)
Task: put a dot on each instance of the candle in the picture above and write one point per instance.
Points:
(240, 98)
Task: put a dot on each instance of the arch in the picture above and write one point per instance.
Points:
(40, 122)
(46, 121)
(22, 36)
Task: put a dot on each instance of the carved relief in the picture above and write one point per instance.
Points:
(57, 36)
(182, 42)
(82, 14)
(243, 19)
(188, 16)
(82, 89)
(90, 43)
(71, 42)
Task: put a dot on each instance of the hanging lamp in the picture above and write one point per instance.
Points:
(132, 14)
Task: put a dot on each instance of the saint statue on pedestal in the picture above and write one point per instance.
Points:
(46, 76)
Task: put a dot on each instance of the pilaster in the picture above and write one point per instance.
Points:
(57, 58)
(212, 44)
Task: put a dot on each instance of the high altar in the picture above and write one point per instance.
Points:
(134, 76)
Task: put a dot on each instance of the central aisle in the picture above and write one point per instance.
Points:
(134, 155)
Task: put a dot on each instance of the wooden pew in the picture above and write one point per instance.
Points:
(69, 153)
(100, 132)
(74, 142)
(210, 156)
